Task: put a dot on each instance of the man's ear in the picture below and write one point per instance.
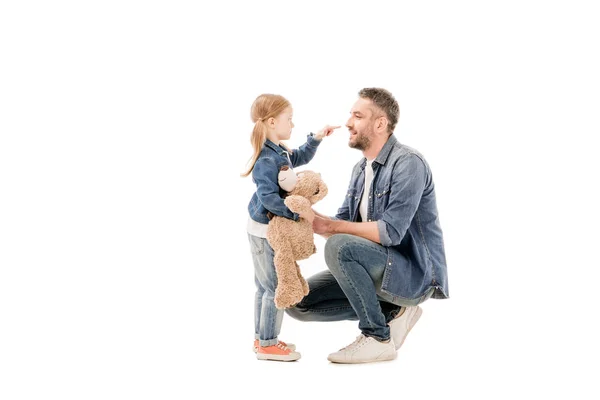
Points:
(381, 124)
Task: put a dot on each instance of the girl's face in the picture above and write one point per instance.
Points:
(283, 124)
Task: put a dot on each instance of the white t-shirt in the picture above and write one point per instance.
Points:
(256, 228)
(364, 202)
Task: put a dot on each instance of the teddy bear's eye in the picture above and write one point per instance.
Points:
(317, 192)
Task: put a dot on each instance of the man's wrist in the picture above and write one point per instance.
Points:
(335, 226)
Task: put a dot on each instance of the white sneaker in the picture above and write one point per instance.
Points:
(364, 350)
(401, 325)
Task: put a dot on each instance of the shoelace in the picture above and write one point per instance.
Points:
(282, 347)
(360, 340)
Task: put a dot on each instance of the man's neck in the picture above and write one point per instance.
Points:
(373, 151)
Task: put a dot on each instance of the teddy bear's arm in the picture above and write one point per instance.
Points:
(297, 204)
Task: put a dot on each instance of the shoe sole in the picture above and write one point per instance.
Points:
(277, 357)
(412, 323)
(389, 358)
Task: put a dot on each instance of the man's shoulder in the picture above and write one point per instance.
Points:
(404, 153)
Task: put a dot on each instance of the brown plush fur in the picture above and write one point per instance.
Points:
(293, 240)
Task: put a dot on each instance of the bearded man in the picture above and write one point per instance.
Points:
(384, 250)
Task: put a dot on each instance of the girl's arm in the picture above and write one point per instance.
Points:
(265, 175)
(306, 152)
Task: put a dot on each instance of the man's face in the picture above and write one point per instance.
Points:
(361, 124)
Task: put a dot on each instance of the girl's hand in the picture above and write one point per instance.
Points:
(328, 130)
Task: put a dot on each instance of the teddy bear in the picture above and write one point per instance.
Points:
(294, 240)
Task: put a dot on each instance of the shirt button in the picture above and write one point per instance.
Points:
(368, 220)
(389, 263)
(369, 196)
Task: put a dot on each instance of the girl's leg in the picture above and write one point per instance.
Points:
(269, 317)
(256, 250)
(257, 306)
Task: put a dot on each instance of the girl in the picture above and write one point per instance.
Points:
(271, 169)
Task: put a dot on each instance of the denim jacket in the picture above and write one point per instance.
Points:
(268, 195)
(402, 201)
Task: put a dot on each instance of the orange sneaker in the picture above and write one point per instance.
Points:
(277, 352)
(290, 346)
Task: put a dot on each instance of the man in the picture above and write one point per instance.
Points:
(385, 250)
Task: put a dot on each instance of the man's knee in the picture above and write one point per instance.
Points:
(337, 247)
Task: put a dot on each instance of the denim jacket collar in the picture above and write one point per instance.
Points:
(383, 153)
(280, 150)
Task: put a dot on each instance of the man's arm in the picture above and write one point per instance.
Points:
(406, 192)
(405, 197)
(327, 227)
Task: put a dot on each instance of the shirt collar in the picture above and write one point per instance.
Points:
(385, 151)
(280, 150)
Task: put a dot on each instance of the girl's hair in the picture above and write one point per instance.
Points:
(264, 107)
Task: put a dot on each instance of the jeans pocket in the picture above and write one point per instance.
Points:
(257, 245)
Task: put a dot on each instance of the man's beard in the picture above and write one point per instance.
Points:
(362, 140)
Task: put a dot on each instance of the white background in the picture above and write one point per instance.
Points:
(125, 271)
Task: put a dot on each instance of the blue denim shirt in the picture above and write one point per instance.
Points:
(402, 201)
(268, 195)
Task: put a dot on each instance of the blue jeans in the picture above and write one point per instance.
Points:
(351, 289)
(267, 317)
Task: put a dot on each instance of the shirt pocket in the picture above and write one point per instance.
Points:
(382, 197)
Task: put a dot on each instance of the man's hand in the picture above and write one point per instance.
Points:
(322, 226)
(328, 130)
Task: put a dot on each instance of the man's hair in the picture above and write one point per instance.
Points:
(385, 101)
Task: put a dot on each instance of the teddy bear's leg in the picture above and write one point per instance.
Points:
(302, 280)
(289, 289)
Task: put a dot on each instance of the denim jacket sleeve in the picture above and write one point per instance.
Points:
(305, 153)
(265, 174)
(408, 183)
